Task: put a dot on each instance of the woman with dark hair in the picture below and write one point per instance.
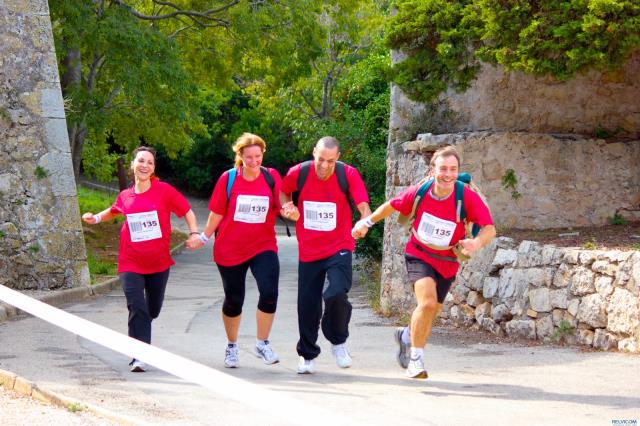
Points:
(144, 257)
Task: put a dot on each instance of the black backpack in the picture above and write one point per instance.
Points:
(340, 174)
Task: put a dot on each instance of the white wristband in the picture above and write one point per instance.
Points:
(203, 238)
(368, 222)
(98, 218)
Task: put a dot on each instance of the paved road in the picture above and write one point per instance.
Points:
(470, 383)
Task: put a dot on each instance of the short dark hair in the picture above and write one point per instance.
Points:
(329, 142)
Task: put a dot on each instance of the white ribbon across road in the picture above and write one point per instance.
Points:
(267, 400)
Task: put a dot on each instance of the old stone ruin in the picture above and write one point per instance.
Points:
(41, 242)
(549, 137)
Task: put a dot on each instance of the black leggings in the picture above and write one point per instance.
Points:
(145, 294)
(265, 268)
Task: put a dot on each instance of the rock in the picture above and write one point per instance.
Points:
(593, 311)
(521, 328)
(501, 313)
(490, 287)
(563, 275)
(539, 299)
(604, 286)
(491, 326)
(573, 306)
(474, 299)
(623, 315)
(629, 345)
(482, 311)
(503, 258)
(582, 282)
(605, 267)
(558, 298)
(544, 327)
(585, 337)
(604, 340)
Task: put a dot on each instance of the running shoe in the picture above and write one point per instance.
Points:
(404, 349)
(266, 353)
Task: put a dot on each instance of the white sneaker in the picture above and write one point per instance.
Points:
(306, 366)
(231, 356)
(266, 353)
(404, 349)
(416, 370)
(343, 359)
(137, 366)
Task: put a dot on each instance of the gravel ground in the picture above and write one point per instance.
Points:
(18, 410)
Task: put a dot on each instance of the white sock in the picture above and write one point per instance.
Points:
(262, 343)
(406, 336)
(230, 343)
(417, 353)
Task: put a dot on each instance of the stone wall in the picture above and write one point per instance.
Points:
(564, 180)
(543, 292)
(503, 101)
(41, 242)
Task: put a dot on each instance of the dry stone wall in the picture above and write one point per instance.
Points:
(41, 242)
(544, 131)
(535, 291)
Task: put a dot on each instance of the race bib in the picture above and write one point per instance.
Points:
(436, 231)
(251, 209)
(319, 216)
(144, 226)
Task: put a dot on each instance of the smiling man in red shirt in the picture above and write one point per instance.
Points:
(325, 246)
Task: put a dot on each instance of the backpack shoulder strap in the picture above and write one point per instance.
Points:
(341, 174)
(407, 221)
(461, 214)
(267, 176)
(231, 177)
(303, 174)
(302, 178)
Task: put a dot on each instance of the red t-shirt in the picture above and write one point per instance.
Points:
(146, 233)
(324, 227)
(248, 224)
(477, 212)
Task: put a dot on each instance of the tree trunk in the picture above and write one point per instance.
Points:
(71, 78)
(123, 179)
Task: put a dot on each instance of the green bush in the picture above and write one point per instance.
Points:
(444, 40)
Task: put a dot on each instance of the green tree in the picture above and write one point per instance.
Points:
(441, 42)
(121, 76)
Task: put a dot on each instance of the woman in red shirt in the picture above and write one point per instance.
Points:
(243, 215)
(144, 258)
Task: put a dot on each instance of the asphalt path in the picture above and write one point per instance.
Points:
(471, 382)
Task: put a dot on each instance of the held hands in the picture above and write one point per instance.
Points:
(290, 211)
(360, 229)
(194, 242)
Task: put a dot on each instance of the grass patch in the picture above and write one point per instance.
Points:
(370, 275)
(75, 407)
(98, 267)
(91, 200)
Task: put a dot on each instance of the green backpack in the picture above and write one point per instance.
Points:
(472, 229)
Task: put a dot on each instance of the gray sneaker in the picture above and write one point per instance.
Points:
(231, 356)
(403, 348)
(137, 366)
(266, 353)
(416, 370)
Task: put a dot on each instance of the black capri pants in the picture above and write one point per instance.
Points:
(265, 268)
